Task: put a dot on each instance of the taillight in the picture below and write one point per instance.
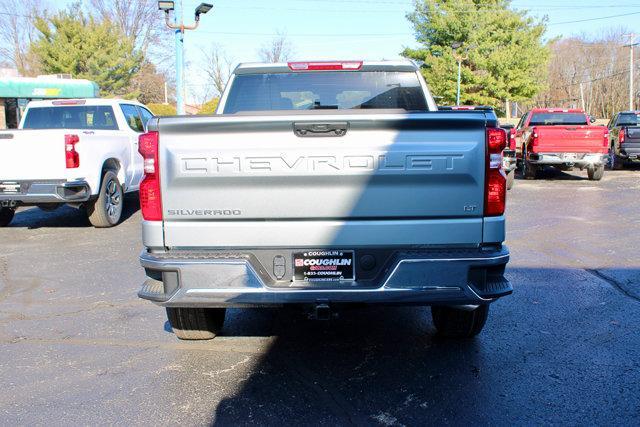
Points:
(72, 157)
(534, 138)
(621, 136)
(325, 66)
(512, 139)
(495, 190)
(150, 198)
(605, 140)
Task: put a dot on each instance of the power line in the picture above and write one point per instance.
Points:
(608, 76)
(594, 19)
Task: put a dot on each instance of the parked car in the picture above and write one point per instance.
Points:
(562, 138)
(310, 187)
(82, 152)
(624, 133)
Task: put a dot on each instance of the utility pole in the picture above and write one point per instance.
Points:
(166, 93)
(632, 38)
(179, 28)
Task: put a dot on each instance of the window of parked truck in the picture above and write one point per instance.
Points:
(133, 117)
(145, 115)
(629, 119)
(551, 119)
(96, 117)
(325, 90)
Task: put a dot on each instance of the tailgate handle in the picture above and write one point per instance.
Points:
(310, 129)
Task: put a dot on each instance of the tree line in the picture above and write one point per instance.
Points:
(502, 53)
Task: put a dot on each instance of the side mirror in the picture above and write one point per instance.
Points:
(592, 119)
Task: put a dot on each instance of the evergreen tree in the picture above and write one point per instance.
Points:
(502, 52)
(73, 43)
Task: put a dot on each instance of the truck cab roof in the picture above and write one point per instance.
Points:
(557, 110)
(80, 101)
(313, 66)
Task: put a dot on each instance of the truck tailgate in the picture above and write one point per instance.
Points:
(570, 139)
(32, 155)
(225, 177)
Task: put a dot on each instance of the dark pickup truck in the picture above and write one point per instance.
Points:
(624, 135)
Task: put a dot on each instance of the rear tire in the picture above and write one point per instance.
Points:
(196, 323)
(511, 178)
(615, 162)
(106, 210)
(595, 174)
(529, 171)
(454, 322)
(6, 215)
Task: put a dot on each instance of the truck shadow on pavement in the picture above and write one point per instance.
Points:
(66, 216)
(561, 346)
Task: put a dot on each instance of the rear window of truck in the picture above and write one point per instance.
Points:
(325, 90)
(96, 117)
(551, 119)
(629, 120)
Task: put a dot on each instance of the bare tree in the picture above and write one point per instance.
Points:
(590, 70)
(138, 19)
(17, 31)
(279, 50)
(217, 67)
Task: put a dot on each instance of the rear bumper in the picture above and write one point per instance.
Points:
(571, 159)
(630, 151)
(34, 192)
(424, 277)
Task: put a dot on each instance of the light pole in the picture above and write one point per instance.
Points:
(179, 28)
(454, 47)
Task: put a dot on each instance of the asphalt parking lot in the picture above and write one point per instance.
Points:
(78, 347)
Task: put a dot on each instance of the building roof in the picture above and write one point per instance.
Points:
(47, 87)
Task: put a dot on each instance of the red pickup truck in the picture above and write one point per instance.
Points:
(563, 138)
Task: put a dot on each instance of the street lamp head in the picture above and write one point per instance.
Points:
(202, 9)
(165, 6)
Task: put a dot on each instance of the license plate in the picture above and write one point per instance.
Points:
(11, 187)
(324, 265)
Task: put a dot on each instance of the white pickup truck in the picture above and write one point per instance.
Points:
(82, 152)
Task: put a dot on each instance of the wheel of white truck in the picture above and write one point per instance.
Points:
(511, 176)
(106, 210)
(6, 215)
(196, 323)
(455, 322)
(595, 173)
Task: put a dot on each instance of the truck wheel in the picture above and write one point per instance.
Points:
(510, 178)
(595, 173)
(196, 323)
(615, 162)
(458, 323)
(529, 171)
(106, 210)
(6, 215)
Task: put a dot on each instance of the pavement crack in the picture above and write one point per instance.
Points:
(616, 284)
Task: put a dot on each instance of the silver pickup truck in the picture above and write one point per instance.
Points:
(324, 184)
